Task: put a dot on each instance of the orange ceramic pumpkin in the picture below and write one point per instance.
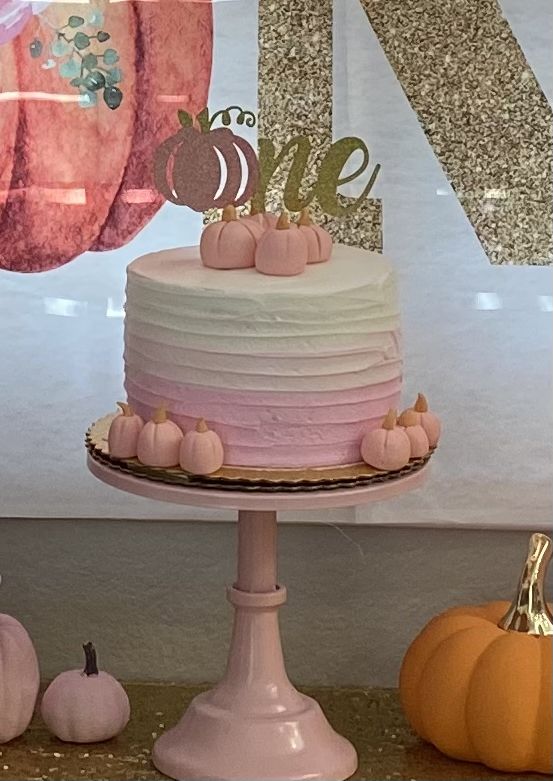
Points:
(477, 681)
(75, 175)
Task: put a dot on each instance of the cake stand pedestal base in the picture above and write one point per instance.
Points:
(254, 725)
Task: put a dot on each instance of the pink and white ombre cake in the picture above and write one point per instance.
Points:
(291, 371)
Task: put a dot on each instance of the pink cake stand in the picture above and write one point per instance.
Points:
(254, 725)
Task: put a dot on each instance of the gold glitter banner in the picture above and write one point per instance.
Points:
(295, 98)
(483, 112)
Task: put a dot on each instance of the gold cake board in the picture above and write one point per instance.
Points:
(247, 479)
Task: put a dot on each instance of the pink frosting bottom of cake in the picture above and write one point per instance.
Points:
(271, 428)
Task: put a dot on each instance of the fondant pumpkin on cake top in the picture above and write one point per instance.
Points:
(387, 447)
(477, 681)
(319, 240)
(417, 435)
(85, 706)
(281, 251)
(124, 431)
(230, 243)
(264, 219)
(19, 678)
(201, 450)
(159, 441)
(428, 420)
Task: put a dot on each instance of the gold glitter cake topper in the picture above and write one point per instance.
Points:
(203, 168)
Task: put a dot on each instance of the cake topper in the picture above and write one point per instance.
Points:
(206, 168)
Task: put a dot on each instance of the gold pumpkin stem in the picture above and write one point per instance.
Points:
(529, 612)
(160, 414)
(283, 222)
(253, 209)
(421, 405)
(229, 213)
(125, 408)
(389, 421)
(201, 426)
(304, 219)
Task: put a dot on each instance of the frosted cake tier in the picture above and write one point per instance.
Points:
(290, 371)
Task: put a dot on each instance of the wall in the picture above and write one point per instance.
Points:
(151, 595)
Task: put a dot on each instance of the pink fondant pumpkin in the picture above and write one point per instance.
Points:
(123, 432)
(264, 219)
(387, 447)
(417, 435)
(319, 241)
(85, 706)
(201, 451)
(428, 420)
(230, 243)
(19, 678)
(159, 441)
(281, 251)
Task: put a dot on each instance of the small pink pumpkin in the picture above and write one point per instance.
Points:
(387, 447)
(123, 432)
(428, 420)
(159, 441)
(201, 451)
(265, 220)
(319, 241)
(281, 251)
(85, 706)
(230, 243)
(19, 678)
(417, 435)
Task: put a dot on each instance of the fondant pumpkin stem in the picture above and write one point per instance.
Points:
(389, 421)
(421, 405)
(229, 213)
(91, 662)
(304, 219)
(126, 409)
(254, 208)
(283, 222)
(201, 426)
(530, 612)
(160, 415)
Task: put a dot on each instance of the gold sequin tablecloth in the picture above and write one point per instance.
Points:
(371, 719)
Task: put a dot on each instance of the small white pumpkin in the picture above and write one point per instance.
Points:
(201, 451)
(85, 706)
(19, 678)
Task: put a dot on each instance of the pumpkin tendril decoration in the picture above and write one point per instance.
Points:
(205, 122)
(530, 612)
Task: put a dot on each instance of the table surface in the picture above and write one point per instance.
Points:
(256, 500)
(370, 718)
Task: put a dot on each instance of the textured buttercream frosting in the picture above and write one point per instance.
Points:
(290, 371)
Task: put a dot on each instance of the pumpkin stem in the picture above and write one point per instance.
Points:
(160, 414)
(201, 426)
(283, 222)
(229, 213)
(125, 408)
(408, 418)
(305, 219)
(530, 612)
(390, 420)
(421, 405)
(254, 209)
(91, 662)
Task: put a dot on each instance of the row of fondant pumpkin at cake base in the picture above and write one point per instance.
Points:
(271, 244)
(160, 442)
(391, 446)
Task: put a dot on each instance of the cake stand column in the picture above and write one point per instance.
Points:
(254, 725)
